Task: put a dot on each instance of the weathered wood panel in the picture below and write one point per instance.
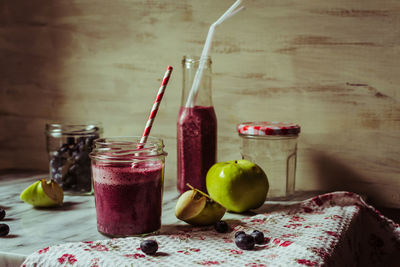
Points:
(331, 66)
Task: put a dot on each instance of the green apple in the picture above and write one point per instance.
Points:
(43, 194)
(239, 185)
(197, 208)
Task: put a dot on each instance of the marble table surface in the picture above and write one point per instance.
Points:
(32, 229)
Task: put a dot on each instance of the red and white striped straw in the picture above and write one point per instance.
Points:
(156, 105)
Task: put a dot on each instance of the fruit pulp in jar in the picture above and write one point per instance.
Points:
(197, 146)
(128, 197)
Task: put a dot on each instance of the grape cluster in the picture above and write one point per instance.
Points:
(243, 240)
(70, 164)
(247, 241)
(221, 227)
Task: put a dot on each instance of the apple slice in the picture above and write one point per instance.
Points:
(189, 205)
(197, 208)
(43, 194)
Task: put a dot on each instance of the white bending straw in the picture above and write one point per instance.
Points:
(206, 49)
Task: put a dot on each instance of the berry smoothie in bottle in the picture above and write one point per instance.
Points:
(196, 130)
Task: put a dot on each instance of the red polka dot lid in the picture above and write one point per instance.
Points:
(268, 128)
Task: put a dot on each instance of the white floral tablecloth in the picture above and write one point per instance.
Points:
(334, 229)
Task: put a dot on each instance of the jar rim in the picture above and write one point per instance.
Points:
(126, 149)
(270, 137)
(73, 128)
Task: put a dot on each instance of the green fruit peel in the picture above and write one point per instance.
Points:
(43, 194)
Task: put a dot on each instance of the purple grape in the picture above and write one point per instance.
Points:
(89, 140)
(70, 140)
(53, 172)
(149, 247)
(68, 181)
(245, 242)
(64, 148)
(4, 229)
(58, 178)
(82, 157)
(57, 162)
(81, 147)
(2, 214)
(258, 236)
(73, 169)
(221, 227)
(239, 233)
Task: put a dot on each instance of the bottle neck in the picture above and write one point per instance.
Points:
(190, 66)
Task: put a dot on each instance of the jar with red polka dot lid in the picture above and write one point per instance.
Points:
(272, 146)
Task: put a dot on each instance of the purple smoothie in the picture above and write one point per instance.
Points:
(128, 199)
(197, 146)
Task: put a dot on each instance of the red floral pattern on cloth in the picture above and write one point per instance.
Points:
(335, 229)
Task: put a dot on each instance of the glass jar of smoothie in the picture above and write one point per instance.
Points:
(272, 146)
(128, 178)
(196, 129)
(68, 147)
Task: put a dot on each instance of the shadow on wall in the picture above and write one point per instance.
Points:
(32, 49)
(337, 176)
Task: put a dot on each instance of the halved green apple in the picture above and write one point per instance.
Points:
(43, 194)
(197, 208)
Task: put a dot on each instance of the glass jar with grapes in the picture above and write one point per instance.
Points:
(68, 147)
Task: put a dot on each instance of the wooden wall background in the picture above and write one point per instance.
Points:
(331, 66)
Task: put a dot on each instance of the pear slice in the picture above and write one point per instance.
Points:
(197, 208)
(43, 194)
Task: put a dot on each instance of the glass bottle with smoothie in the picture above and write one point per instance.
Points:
(128, 185)
(196, 129)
